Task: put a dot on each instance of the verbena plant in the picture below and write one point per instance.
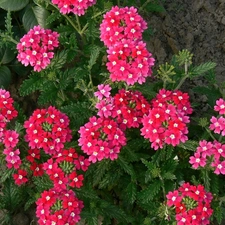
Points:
(97, 132)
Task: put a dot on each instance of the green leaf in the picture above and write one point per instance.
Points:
(5, 76)
(113, 211)
(95, 50)
(128, 168)
(33, 83)
(201, 69)
(76, 112)
(35, 15)
(190, 145)
(49, 94)
(13, 5)
(6, 55)
(131, 192)
(60, 58)
(150, 192)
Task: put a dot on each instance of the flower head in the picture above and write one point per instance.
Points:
(36, 47)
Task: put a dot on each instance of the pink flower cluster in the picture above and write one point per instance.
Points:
(36, 47)
(62, 169)
(77, 7)
(166, 121)
(121, 23)
(192, 204)
(101, 138)
(47, 129)
(127, 108)
(209, 153)
(129, 60)
(7, 110)
(212, 153)
(9, 138)
(218, 124)
(58, 208)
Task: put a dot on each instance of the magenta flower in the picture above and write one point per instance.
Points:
(77, 7)
(103, 91)
(197, 160)
(36, 47)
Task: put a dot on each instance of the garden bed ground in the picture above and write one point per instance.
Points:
(198, 26)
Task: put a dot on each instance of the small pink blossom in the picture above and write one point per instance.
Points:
(103, 91)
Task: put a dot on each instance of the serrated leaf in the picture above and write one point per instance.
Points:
(113, 211)
(150, 192)
(201, 69)
(131, 192)
(190, 145)
(5, 76)
(7, 173)
(95, 51)
(128, 168)
(48, 95)
(13, 5)
(33, 83)
(35, 15)
(60, 58)
(76, 112)
(149, 165)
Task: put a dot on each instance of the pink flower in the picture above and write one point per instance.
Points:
(10, 138)
(68, 207)
(217, 125)
(173, 198)
(193, 206)
(47, 129)
(35, 48)
(20, 177)
(197, 160)
(220, 106)
(103, 91)
(12, 158)
(77, 7)
(124, 65)
(121, 23)
(99, 136)
(165, 122)
(219, 167)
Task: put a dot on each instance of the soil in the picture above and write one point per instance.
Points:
(198, 26)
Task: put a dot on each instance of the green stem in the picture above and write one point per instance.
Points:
(143, 6)
(86, 25)
(181, 82)
(9, 38)
(69, 20)
(209, 132)
(78, 22)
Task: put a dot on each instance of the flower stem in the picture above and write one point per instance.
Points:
(78, 22)
(69, 20)
(181, 82)
(143, 6)
(209, 132)
(9, 38)
(86, 25)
